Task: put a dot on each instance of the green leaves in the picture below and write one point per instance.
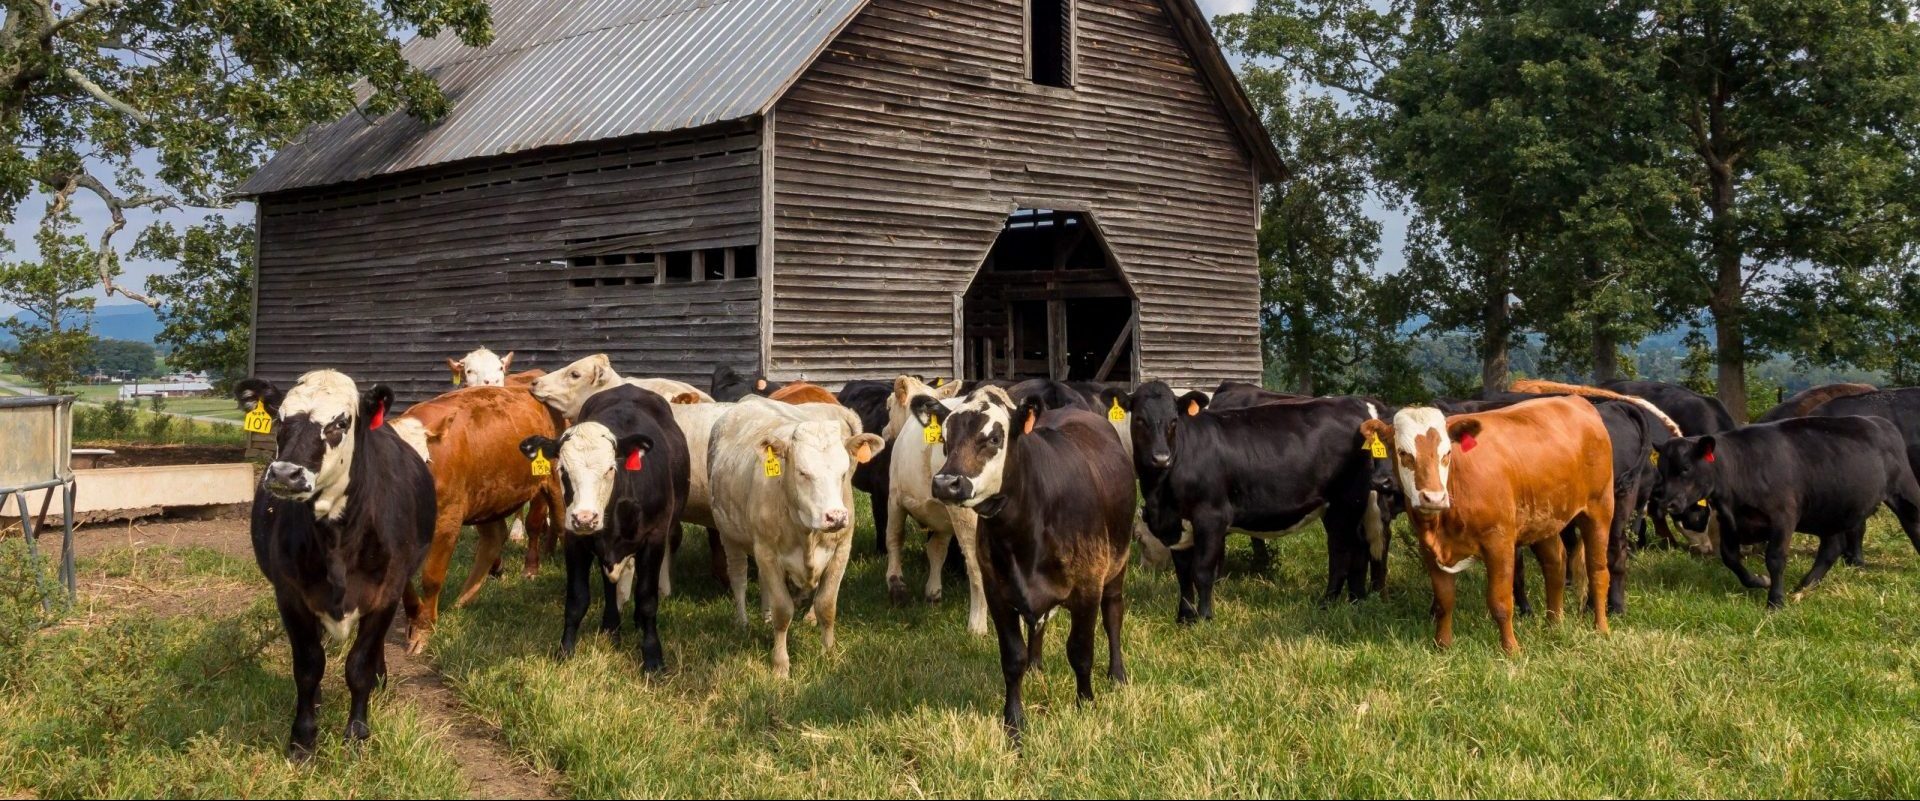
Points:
(50, 333)
(207, 303)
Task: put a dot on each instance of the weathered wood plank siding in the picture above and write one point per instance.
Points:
(387, 278)
(902, 150)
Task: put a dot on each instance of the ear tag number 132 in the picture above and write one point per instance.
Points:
(933, 433)
(258, 421)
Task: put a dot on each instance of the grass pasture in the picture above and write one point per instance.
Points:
(1699, 691)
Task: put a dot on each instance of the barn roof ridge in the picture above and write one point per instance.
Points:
(563, 72)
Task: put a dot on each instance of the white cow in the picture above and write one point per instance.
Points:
(568, 388)
(782, 483)
(910, 492)
(481, 368)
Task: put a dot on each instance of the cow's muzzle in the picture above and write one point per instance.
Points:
(1430, 501)
(583, 521)
(289, 481)
(1162, 459)
(950, 488)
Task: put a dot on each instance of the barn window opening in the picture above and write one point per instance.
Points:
(610, 269)
(1050, 302)
(678, 268)
(713, 264)
(1050, 42)
(746, 261)
(649, 268)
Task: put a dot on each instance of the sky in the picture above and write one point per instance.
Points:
(93, 215)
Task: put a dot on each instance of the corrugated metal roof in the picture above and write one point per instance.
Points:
(563, 71)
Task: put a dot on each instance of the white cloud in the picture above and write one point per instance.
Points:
(1225, 6)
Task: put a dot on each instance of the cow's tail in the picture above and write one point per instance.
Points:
(1532, 386)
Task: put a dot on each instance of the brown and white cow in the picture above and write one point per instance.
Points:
(481, 368)
(803, 392)
(1480, 485)
(782, 483)
(472, 437)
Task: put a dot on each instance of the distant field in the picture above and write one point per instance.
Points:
(172, 680)
(222, 408)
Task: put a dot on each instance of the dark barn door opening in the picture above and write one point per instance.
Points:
(1050, 303)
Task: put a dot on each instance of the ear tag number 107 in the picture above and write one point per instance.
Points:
(258, 421)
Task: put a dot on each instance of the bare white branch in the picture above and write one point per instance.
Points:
(100, 93)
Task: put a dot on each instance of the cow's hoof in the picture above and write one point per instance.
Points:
(934, 596)
(299, 753)
(357, 731)
(896, 591)
(417, 641)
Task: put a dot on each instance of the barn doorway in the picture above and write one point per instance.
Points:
(1050, 302)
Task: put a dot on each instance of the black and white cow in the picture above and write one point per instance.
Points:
(1823, 476)
(624, 469)
(729, 385)
(1267, 470)
(869, 400)
(1055, 504)
(1899, 406)
(341, 521)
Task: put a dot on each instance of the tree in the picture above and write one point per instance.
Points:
(1800, 120)
(1835, 319)
(205, 90)
(51, 333)
(120, 357)
(207, 303)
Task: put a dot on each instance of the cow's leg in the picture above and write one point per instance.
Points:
(543, 526)
(1831, 548)
(1113, 611)
(433, 575)
(646, 602)
(719, 565)
(883, 513)
(580, 561)
(1594, 528)
(1777, 543)
(365, 668)
(894, 535)
(1339, 561)
(614, 597)
(665, 571)
(1262, 556)
(778, 602)
(736, 558)
(1183, 571)
(486, 554)
(1551, 553)
(309, 664)
(967, 531)
(1080, 649)
(826, 596)
(1443, 586)
(1209, 546)
(1730, 556)
(938, 543)
(1521, 606)
(1500, 559)
(1618, 551)
(1013, 663)
(1904, 501)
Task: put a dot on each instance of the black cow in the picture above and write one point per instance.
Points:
(1823, 476)
(1696, 414)
(1056, 395)
(1239, 395)
(1271, 469)
(1805, 401)
(341, 522)
(1055, 500)
(869, 400)
(623, 466)
(1901, 407)
(729, 385)
(1635, 434)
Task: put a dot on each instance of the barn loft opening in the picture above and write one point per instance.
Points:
(1050, 41)
(1050, 302)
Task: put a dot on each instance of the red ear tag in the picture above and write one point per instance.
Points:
(379, 417)
(1709, 457)
(1467, 442)
(633, 461)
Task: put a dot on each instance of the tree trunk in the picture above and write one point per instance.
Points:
(1606, 352)
(1728, 302)
(1498, 329)
(1731, 346)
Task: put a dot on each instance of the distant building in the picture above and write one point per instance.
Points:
(168, 389)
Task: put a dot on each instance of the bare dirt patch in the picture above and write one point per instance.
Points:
(156, 455)
(490, 768)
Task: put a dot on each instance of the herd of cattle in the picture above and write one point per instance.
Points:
(1043, 484)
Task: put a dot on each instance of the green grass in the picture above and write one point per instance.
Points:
(222, 408)
(1699, 691)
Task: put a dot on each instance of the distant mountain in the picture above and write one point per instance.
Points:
(130, 321)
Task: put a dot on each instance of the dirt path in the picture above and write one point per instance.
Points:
(489, 766)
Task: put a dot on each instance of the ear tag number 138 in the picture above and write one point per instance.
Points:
(542, 467)
(258, 421)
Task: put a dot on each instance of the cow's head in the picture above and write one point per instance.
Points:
(1154, 415)
(590, 459)
(980, 435)
(816, 460)
(481, 368)
(1422, 443)
(1689, 477)
(907, 390)
(316, 425)
(567, 389)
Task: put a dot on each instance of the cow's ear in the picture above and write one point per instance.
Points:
(459, 370)
(775, 444)
(903, 389)
(929, 410)
(686, 398)
(863, 447)
(1703, 450)
(1376, 429)
(1465, 433)
(760, 384)
(1115, 396)
(374, 404)
(506, 362)
(1028, 415)
(944, 388)
(252, 391)
(629, 450)
(1193, 403)
(536, 445)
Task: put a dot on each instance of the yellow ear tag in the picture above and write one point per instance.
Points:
(1654, 457)
(456, 378)
(541, 467)
(933, 433)
(1702, 502)
(1376, 447)
(1116, 413)
(773, 464)
(258, 421)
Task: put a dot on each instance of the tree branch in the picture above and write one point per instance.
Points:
(87, 7)
(104, 254)
(99, 93)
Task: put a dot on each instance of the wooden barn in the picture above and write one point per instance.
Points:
(817, 189)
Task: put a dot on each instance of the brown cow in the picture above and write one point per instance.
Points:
(1481, 485)
(803, 392)
(480, 478)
